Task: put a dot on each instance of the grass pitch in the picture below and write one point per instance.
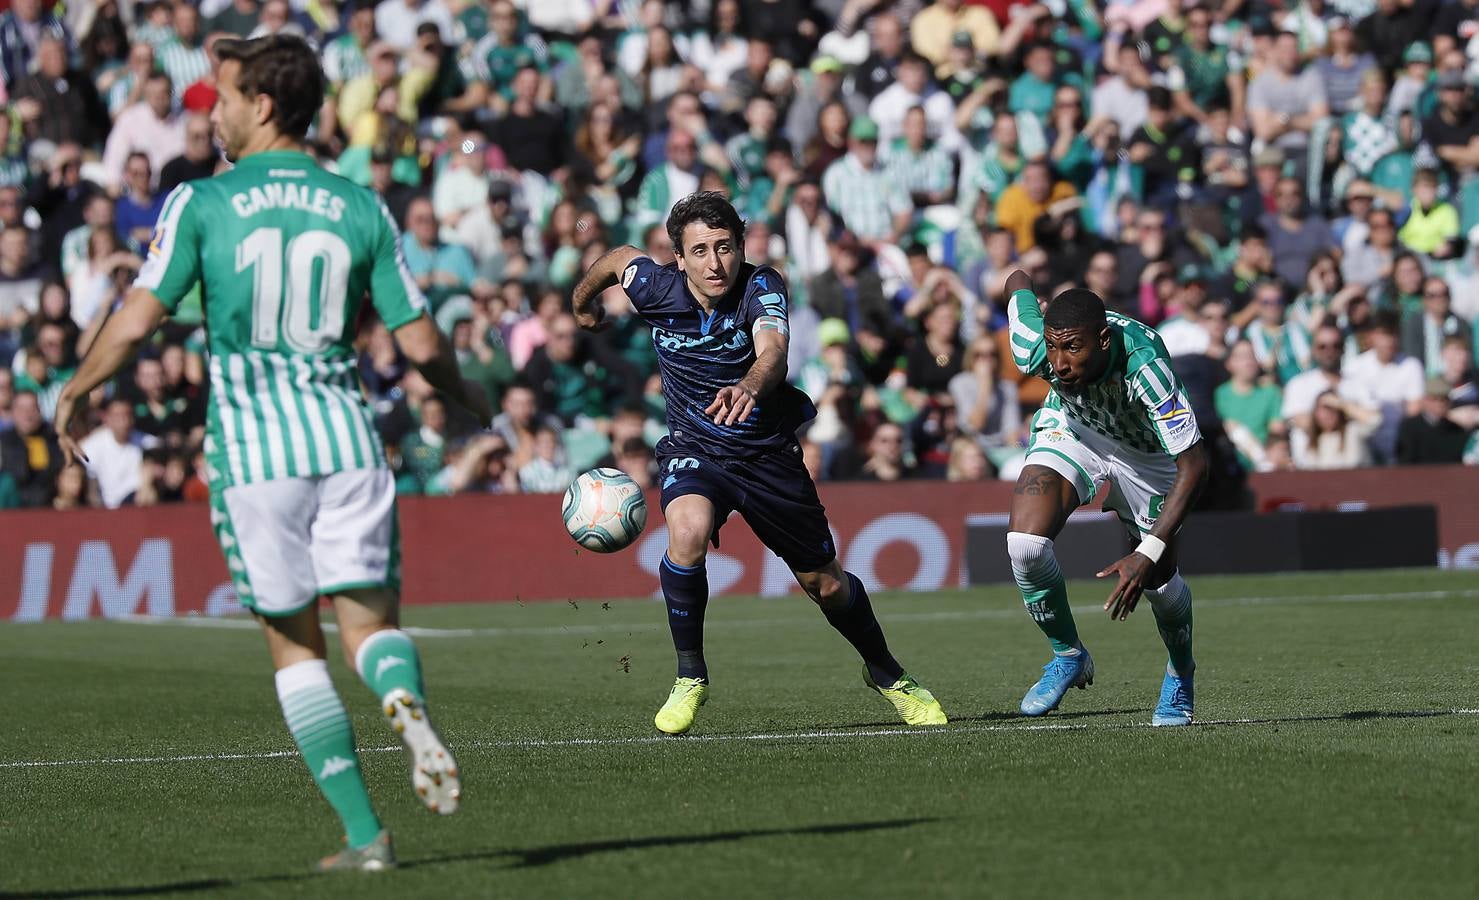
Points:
(1338, 755)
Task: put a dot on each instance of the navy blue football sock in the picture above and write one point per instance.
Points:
(856, 622)
(685, 589)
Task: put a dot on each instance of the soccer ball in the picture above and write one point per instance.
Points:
(604, 510)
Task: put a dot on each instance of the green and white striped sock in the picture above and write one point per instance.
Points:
(320, 726)
(387, 661)
(1044, 592)
(1171, 603)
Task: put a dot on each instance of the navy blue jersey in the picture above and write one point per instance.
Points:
(700, 353)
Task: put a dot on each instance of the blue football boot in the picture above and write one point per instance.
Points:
(1178, 696)
(1058, 676)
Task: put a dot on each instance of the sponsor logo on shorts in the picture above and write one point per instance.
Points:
(628, 275)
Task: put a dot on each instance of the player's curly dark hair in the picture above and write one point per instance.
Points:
(708, 207)
(284, 68)
(1074, 309)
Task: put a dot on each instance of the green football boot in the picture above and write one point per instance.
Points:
(916, 705)
(677, 714)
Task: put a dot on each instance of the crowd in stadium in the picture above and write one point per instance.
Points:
(1286, 190)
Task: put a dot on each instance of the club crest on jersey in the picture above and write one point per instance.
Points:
(628, 275)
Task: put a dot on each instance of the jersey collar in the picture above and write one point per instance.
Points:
(275, 157)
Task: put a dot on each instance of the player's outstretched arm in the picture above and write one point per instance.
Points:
(115, 345)
(1025, 316)
(1134, 570)
(604, 273)
(735, 403)
(432, 355)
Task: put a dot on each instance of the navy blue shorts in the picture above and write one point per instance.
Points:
(774, 493)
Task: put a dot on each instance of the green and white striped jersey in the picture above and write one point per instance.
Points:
(1138, 403)
(284, 253)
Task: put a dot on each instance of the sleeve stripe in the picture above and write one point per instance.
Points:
(1020, 330)
(414, 297)
(1149, 384)
(1164, 371)
(1024, 340)
(1150, 393)
(162, 249)
(1014, 314)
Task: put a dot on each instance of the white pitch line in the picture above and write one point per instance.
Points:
(938, 616)
(778, 736)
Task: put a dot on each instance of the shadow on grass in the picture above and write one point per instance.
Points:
(529, 857)
(1000, 716)
(1355, 715)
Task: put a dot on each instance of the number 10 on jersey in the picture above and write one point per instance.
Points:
(304, 301)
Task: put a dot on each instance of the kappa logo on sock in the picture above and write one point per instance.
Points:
(386, 664)
(334, 765)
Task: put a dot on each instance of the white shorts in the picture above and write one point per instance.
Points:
(289, 541)
(1138, 482)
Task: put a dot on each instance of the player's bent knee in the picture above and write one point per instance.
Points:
(689, 529)
(1029, 553)
(824, 588)
(688, 542)
(831, 594)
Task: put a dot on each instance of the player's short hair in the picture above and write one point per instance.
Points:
(708, 207)
(284, 68)
(1074, 309)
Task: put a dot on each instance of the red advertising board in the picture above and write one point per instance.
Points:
(164, 560)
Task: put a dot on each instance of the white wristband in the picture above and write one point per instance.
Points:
(1151, 547)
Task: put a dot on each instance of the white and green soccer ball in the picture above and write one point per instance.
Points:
(604, 510)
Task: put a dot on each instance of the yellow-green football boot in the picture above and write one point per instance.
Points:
(677, 715)
(916, 705)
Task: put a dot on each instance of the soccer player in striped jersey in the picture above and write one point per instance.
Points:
(302, 502)
(1116, 414)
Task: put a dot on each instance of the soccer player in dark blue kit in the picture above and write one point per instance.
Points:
(721, 331)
